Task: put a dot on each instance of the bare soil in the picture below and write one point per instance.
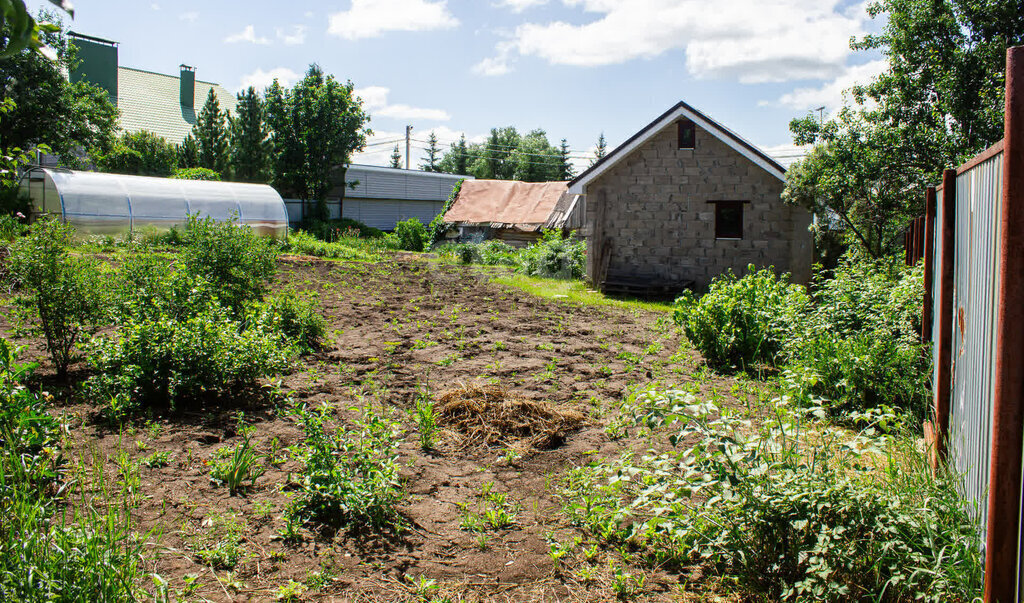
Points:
(398, 330)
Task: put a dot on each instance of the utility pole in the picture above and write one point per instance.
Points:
(408, 132)
(821, 115)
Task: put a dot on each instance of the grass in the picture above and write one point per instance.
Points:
(576, 292)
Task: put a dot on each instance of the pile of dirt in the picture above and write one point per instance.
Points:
(491, 415)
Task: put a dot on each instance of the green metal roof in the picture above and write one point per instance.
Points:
(150, 101)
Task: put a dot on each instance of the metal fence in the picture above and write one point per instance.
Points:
(974, 265)
(979, 192)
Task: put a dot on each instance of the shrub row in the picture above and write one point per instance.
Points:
(555, 256)
(854, 340)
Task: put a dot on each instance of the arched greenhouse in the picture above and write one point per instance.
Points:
(110, 204)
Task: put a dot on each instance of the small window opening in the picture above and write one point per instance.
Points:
(728, 219)
(687, 134)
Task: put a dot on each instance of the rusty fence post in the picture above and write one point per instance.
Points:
(1001, 551)
(929, 264)
(944, 358)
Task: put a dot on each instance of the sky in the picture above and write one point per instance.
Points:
(574, 68)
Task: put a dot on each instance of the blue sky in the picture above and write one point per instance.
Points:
(575, 68)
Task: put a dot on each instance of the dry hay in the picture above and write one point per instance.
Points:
(489, 414)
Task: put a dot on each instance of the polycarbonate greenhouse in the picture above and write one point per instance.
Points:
(110, 204)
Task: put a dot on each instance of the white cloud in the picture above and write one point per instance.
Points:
(246, 35)
(261, 79)
(190, 16)
(154, 6)
(292, 36)
(371, 18)
(375, 100)
(749, 40)
(518, 6)
(500, 64)
(830, 95)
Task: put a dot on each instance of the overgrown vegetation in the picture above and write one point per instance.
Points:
(555, 255)
(794, 509)
(853, 343)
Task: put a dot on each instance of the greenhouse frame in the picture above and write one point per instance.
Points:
(110, 204)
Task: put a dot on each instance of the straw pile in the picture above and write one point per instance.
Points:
(488, 414)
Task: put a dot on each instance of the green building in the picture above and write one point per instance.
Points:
(166, 105)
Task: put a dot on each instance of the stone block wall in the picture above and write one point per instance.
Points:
(650, 215)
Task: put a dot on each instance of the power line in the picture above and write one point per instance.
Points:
(516, 150)
(474, 156)
(587, 154)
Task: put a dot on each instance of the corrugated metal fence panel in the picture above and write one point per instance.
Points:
(408, 185)
(936, 281)
(976, 280)
(385, 213)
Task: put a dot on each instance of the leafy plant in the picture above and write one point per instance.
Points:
(237, 262)
(61, 287)
(741, 321)
(426, 422)
(554, 256)
(409, 235)
(195, 173)
(296, 317)
(350, 477)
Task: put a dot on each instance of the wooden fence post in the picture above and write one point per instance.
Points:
(1001, 551)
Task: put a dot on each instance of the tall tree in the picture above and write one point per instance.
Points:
(188, 152)
(565, 169)
(211, 132)
(48, 109)
(456, 158)
(433, 154)
(498, 150)
(600, 150)
(535, 159)
(317, 126)
(396, 157)
(250, 139)
(939, 101)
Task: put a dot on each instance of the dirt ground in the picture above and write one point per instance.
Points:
(398, 330)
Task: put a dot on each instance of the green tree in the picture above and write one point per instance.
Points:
(48, 109)
(250, 140)
(188, 153)
(396, 157)
(456, 158)
(495, 160)
(939, 102)
(21, 31)
(565, 169)
(143, 153)
(433, 155)
(317, 126)
(535, 159)
(211, 132)
(600, 150)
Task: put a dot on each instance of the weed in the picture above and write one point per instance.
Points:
(233, 466)
(290, 592)
(426, 422)
(158, 459)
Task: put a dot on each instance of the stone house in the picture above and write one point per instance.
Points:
(682, 201)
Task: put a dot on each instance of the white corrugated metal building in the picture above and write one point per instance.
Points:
(381, 197)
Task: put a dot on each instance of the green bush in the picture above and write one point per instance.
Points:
(409, 235)
(176, 344)
(860, 340)
(554, 256)
(740, 322)
(237, 262)
(350, 477)
(62, 288)
(298, 318)
(195, 173)
(488, 253)
(791, 513)
(143, 153)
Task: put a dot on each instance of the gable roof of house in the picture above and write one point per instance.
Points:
(680, 109)
(506, 204)
(150, 101)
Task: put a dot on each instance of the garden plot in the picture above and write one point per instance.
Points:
(521, 389)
